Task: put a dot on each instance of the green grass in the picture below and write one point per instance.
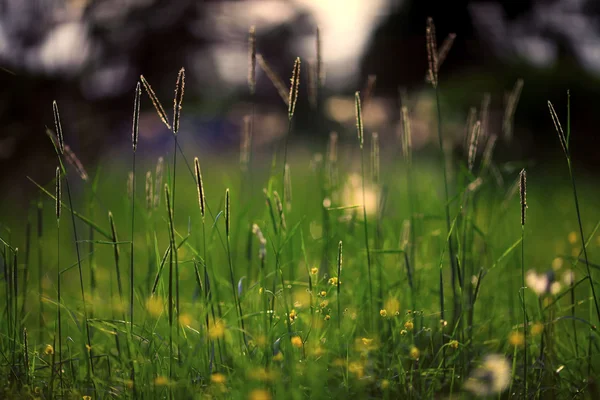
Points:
(238, 294)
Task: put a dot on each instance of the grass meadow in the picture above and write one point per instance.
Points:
(360, 269)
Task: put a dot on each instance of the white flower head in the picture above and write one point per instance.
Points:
(492, 377)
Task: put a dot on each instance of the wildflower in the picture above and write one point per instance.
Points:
(217, 329)
(334, 281)
(261, 290)
(154, 305)
(537, 329)
(356, 368)
(543, 283)
(86, 397)
(557, 263)
(161, 381)
(492, 377)
(383, 313)
(314, 270)
(403, 332)
(385, 384)
(278, 357)
(409, 325)
(259, 394)
(323, 293)
(324, 304)
(453, 344)
(572, 237)
(516, 339)
(49, 350)
(366, 341)
(297, 341)
(443, 323)
(218, 378)
(292, 315)
(414, 353)
(185, 320)
(327, 317)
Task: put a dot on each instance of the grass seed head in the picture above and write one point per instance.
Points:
(149, 191)
(294, 88)
(160, 166)
(136, 117)
(274, 78)
(432, 52)
(57, 125)
(157, 105)
(559, 129)
(523, 192)
(473, 144)
(287, 187)
(178, 99)
(252, 59)
(359, 121)
(199, 186)
(246, 143)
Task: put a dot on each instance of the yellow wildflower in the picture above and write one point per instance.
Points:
(334, 281)
(323, 293)
(453, 344)
(366, 341)
(297, 341)
(409, 325)
(161, 381)
(259, 394)
(516, 339)
(155, 306)
(278, 356)
(537, 329)
(383, 313)
(49, 350)
(324, 304)
(218, 378)
(327, 317)
(86, 397)
(185, 319)
(385, 384)
(414, 353)
(572, 237)
(217, 329)
(356, 368)
(403, 332)
(314, 270)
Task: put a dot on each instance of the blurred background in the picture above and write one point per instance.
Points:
(88, 56)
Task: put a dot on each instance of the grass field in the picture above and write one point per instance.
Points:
(361, 271)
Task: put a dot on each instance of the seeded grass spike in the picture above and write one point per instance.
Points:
(432, 52)
(294, 88)
(274, 78)
(178, 99)
(359, 122)
(59, 132)
(136, 117)
(474, 141)
(149, 191)
(509, 111)
(523, 193)
(252, 59)
(160, 166)
(157, 105)
(199, 186)
(559, 129)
